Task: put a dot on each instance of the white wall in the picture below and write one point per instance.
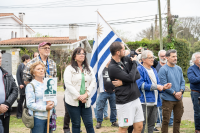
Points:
(5, 31)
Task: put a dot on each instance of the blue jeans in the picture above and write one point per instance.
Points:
(40, 126)
(104, 110)
(196, 107)
(76, 112)
(103, 96)
(1, 127)
(171, 118)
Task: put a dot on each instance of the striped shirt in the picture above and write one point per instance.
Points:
(52, 69)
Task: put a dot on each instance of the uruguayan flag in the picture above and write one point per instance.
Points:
(104, 37)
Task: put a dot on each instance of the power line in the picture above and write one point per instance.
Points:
(86, 25)
(110, 21)
(111, 4)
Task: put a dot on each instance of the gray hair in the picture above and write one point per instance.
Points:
(160, 52)
(145, 53)
(170, 51)
(193, 56)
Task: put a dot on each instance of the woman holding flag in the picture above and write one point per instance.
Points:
(79, 80)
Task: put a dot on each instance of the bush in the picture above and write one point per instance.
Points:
(183, 55)
(181, 45)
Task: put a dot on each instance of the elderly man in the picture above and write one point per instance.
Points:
(44, 52)
(150, 87)
(172, 98)
(193, 74)
(8, 94)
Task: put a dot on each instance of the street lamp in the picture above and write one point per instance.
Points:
(178, 32)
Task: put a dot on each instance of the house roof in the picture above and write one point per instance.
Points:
(6, 14)
(38, 40)
(15, 17)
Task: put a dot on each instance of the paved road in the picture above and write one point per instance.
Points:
(187, 115)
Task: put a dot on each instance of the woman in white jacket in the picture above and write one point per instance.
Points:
(79, 80)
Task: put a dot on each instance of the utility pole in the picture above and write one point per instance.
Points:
(169, 21)
(152, 36)
(160, 24)
(156, 28)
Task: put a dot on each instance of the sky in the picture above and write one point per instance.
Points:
(76, 11)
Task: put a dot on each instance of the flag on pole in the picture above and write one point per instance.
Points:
(104, 37)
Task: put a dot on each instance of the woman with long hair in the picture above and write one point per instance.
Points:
(79, 80)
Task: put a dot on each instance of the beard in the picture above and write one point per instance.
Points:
(163, 61)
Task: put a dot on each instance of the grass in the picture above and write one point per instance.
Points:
(188, 85)
(16, 126)
(60, 89)
(186, 94)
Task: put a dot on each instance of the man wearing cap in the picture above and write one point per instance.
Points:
(44, 52)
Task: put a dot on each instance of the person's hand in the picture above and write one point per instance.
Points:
(21, 86)
(83, 97)
(3, 108)
(134, 58)
(117, 83)
(178, 95)
(127, 52)
(49, 105)
(137, 50)
(167, 86)
(26, 82)
(160, 87)
(84, 101)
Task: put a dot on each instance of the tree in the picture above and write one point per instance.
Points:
(125, 36)
(62, 58)
(189, 28)
(195, 48)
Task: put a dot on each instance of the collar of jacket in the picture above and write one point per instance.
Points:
(122, 60)
(4, 72)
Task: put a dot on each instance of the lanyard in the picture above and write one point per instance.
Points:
(47, 65)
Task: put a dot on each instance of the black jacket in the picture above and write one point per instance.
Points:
(20, 80)
(10, 88)
(128, 74)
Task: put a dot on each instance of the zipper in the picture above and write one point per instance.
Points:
(4, 89)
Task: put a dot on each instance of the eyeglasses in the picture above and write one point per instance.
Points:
(80, 53)
(150, 58)
(46, 48)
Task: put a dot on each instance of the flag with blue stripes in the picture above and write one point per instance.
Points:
(104, 37)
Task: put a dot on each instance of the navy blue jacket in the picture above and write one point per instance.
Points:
(150, 96)
(193, 74)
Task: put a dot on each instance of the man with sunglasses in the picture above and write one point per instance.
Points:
(44, 52)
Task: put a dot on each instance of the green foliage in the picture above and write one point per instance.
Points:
(195, 48)
(153, 45)
(91, 43)
(27, 51)
(181, 45)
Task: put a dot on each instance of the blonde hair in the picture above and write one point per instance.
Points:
(33, 66)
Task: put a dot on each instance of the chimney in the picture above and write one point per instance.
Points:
(23, 26)
(73, 32)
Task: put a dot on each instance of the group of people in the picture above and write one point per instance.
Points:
(139, 92)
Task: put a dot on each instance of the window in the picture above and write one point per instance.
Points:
(12, 34)
(15, 34)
